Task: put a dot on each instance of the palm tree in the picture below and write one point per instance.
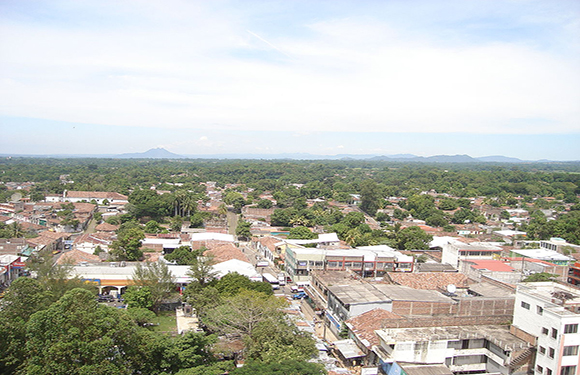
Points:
(15, 230)
(189, 203)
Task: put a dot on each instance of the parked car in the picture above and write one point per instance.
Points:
(299, 295)
(106, 298)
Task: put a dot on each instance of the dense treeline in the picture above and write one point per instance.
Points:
(291, 183)
(54, 325)
(321, 177)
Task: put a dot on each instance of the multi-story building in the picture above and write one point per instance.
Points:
(453, 251)
(462, 349)
(369, 261)
(547, 314)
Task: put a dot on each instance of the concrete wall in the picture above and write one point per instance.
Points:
(475, 306)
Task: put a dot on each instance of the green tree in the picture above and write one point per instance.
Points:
(202, 271)
(76, 335)
(158, 278)
(399, 214)
(127, 246)
(371, 197)
(191, 349)
(147, 203)
(448, 204)
(236, 200)
(153, 227)
(24, 297)
(240, 314)
(540, 276)
(243, 230)
(139, 297)
(265, 203)
(176, 223)
(233, 283)
(56, 278)
(293, 367)
(277, 341)
(413, 238)
(141, 315)
(183, 255)
(218, 368)
(353, 219)
(301, 233)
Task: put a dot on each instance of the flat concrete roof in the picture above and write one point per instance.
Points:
(499, 335)
(547, 291)
(492, 291)
(420, 369)
(542, 254)
(354, 294)
(348, 349)
(404, 293)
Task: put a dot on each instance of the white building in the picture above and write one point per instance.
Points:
(549, 313)
(454, 251)
(462, 349)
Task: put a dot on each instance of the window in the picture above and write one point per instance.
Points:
(571, 328)
(548, 371)
(542, 350)
(551, 352)
(554, 333)
(539, 369)
(544, 331)
(525, 305)
(570, 350)
(568, 370)
(540, 310)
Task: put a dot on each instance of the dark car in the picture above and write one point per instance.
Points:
(106, 298)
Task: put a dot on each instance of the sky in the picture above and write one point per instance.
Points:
(477, 77)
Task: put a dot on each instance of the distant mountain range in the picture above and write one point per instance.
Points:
(161, 153)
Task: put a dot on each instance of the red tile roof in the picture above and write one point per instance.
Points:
(106, 227)
(76, 257)
(225, 252)
(365, 325)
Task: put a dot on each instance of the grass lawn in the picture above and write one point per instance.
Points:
(166, 320)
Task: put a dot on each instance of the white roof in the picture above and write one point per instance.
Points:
(369, 253)
(348, 348)
(235, 265)
(8, 258)
(107, 272)
(209, 236)
(166, 242)
(440, 241)
(328, 237)
(543, 254)
(509, 233)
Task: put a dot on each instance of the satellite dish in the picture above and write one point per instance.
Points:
(451, 288)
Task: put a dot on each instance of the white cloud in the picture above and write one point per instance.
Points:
(191, 65)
